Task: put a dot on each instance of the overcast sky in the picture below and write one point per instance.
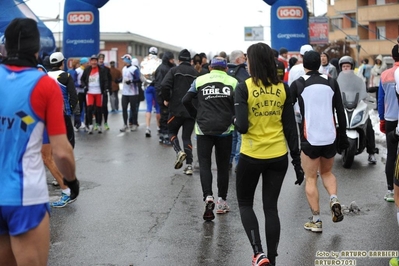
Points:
(201, 26)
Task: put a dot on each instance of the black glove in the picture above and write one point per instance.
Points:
(128, 82)
(82, 86)
(299, 174)
(86, 89)
(392, 137)
(74, 186)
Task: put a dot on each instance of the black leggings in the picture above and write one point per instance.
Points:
(174, 124)
(205, 144)
(133, 101)
(105, 107)
(392, 149)
(69, 129)
(273, 172)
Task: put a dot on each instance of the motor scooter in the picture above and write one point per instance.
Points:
(356, 113)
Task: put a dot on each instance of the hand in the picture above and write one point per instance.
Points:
(343, 143)
(392, 137)
(382, 126)
(74, 186)
(86, 89)
(299, 174)
(128, 82)
(166, 103)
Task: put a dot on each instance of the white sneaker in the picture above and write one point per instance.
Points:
(133, 128)
(123, 129)
(221, 206)
(147, 133)
(188, 170)
(372, 159)
(389, 196)
(100, 130)
(82, 126)
(90, 131)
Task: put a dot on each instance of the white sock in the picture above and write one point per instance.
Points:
(333, 196)
(67, 191)
(316, 218)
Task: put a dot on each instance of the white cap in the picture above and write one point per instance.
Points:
(56, 58)
(305, 48)
(128, 56)
(153, 50)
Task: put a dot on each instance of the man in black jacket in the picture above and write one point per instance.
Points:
(173, 87)
(95, 82)
(160, 73)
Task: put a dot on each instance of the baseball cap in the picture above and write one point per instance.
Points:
(305, 48)
(94, 56)
(127, 56)
(56, 57)
(153, 50)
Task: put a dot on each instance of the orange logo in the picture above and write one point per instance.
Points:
(290, 12)
(80, 18)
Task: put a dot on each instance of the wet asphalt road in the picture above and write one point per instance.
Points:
(136, 209)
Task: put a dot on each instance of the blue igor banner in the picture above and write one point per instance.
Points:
(11, 9)
(81, 28)
(289, 24)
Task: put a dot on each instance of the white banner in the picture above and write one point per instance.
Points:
(253, 33)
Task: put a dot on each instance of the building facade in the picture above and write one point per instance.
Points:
(371, 26)
(115, 44)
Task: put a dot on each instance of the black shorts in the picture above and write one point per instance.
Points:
(314, 152)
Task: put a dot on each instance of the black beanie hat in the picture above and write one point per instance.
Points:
(283, 50)
(311, 60)
(185, 55)
(395, 53)
(22, 37)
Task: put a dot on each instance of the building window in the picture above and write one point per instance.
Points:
(352, 18)
(380, 2)
(381, 33)
(336, 23)
(332, 2)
